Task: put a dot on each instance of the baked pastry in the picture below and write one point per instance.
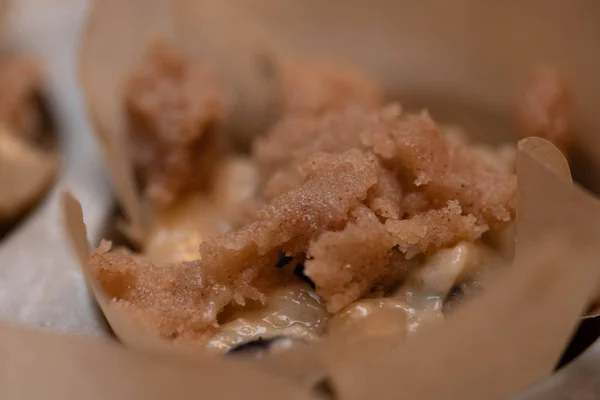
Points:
(349, 215)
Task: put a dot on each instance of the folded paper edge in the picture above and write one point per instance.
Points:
(125, 328)
(548, 155)
(113, 145)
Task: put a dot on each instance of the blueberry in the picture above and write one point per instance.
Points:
(260, 347)
(283, 260)
(299, 272)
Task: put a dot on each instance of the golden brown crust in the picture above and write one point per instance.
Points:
(174, 106)
(545, 108)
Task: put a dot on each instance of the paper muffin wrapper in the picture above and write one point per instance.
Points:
(524, 320)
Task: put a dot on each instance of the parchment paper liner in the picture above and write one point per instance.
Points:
(305, 365)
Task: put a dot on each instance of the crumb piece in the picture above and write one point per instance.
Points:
(174, 106)
(334, 185)
(434, 229)
(385, 199)
(293, 140)
(435, 166)
(179, 300)
(545, 108)
(346, 264)
(20, 84)
(314, 88)
(445, 171)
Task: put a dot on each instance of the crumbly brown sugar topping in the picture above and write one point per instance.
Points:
(354, 195)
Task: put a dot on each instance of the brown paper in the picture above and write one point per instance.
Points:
(37, 365)
(529, 223)
(307, 366)
(531, 218)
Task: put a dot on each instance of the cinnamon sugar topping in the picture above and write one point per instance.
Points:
(353, 195)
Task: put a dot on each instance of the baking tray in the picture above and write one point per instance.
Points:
(41, 284)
